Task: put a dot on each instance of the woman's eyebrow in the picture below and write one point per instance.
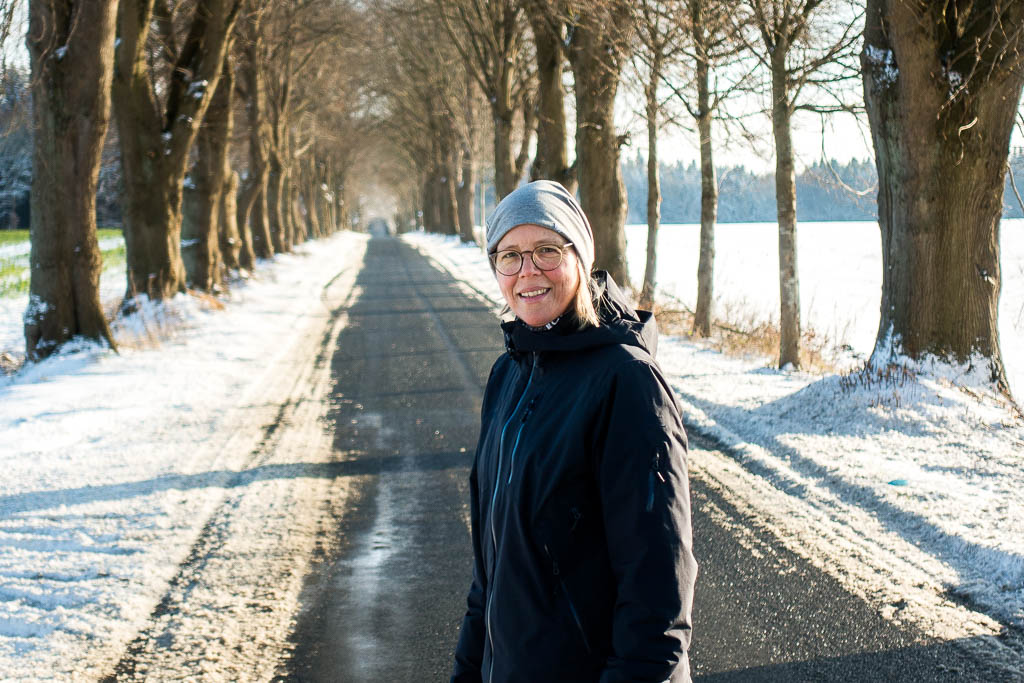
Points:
(541, 242)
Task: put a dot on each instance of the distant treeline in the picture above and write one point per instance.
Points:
(746, 197)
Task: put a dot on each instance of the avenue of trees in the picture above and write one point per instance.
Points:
(241, 127)
(224, 128)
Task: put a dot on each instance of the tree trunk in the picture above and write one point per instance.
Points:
(466, 197)
(259, 220)
(252, 203)
(504, 164)
(71, 45)
(232, 241)
(299, 234)
(430, 220)
(156, 139)
(653, 185)
(209, 176)
(941, 153)
(275, 205)
(552, 158)
(446, 187)
(596, 65)
(708, 207)
(785, 199)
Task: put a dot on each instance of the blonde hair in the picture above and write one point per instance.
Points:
(583, 302)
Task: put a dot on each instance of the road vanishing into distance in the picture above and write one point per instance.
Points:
(409, 371)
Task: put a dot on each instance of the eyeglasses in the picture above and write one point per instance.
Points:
(544, 256)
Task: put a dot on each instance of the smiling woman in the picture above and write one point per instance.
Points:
(538, 289)
(583, 564)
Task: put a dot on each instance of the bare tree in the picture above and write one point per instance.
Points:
(942, 83)
(159, 104)
(205, 188)
(598, 49)
(714, 27)
(659, 43)
(490, 37)
(548, 24)
(433, 119)
(251, 206)
(71, 44)
(804, 43)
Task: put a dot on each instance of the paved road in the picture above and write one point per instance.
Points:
(410, 369)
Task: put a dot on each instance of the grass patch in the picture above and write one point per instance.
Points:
(14, 278)
(742, 333)
(13, 237)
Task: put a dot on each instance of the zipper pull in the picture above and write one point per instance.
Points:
(655, 472)
(656, 468)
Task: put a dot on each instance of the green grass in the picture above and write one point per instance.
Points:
(13, 236)
(13, 271)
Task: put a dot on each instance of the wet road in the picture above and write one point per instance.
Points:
(409, 370)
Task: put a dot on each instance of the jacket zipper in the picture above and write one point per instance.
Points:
(655, 472)
(515, 446)
(494, 498)
(568, 598)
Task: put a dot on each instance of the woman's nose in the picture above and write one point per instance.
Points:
(529, 267)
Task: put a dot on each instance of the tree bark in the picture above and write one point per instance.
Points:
(275, 205)
(465, 196)
(446, 187)
(71, 46)
(504, 163)
(941, 98)
(708, 203)
(552, 158)
(653, 185)
(597, 59)
(252, 197)
(785, 199)
(233, 241)
(209, 177)
(156, 139)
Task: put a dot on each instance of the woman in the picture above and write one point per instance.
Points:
(583, 566)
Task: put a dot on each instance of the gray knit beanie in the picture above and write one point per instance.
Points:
(549, 205)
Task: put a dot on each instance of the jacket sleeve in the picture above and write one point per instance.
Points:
(470, 649)
(645, 499)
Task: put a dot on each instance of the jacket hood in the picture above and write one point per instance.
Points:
(620, 324)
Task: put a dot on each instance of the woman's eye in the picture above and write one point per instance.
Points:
(508, 257)
(547, 252)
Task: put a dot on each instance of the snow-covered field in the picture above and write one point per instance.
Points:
(840, 267)
(119, 468)
(906, 486)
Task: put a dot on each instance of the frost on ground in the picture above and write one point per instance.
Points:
(904, 482)
(194, 463)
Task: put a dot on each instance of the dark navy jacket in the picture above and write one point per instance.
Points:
(583, 563)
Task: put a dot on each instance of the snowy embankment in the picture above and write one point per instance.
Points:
(165, 482)
(906, 485)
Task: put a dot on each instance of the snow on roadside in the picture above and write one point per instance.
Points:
(113, 464)
(906, 486)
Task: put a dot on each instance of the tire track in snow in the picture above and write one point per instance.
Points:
(297, 415)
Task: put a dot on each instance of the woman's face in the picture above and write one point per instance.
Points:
(537, 296)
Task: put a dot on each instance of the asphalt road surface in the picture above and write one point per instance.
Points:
(410, 369)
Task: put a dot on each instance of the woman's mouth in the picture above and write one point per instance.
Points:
(534, 293)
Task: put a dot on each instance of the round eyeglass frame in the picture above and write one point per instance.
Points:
(533, 257)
